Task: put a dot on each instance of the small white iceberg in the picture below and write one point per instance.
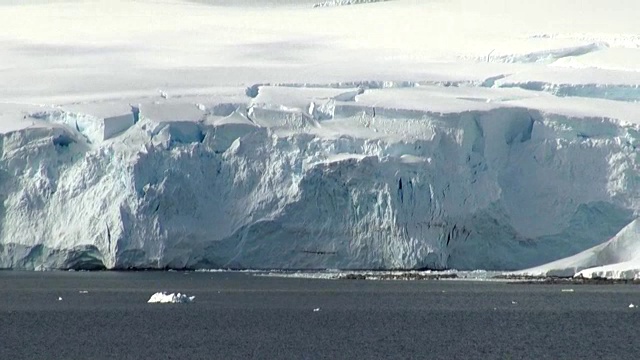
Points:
(165, 298)
(631, 306)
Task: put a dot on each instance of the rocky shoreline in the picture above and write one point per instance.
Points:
(397, 276)
(540, 280)
(510, 279)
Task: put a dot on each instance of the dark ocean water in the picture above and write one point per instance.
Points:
(241, 316)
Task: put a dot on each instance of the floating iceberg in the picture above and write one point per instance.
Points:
(166, 298)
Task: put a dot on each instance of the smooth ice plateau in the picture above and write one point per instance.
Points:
(497, 135)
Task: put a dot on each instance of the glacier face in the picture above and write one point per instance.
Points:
(323, 183)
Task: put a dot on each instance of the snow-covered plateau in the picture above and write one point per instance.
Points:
(407, 134)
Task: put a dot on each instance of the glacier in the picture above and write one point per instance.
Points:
(271, 185)
(257, 146)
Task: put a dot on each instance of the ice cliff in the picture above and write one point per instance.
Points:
(299, 177)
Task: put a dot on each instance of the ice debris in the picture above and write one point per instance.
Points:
(166, 298)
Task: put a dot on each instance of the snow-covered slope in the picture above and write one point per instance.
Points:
(616, 258)
(212, 134)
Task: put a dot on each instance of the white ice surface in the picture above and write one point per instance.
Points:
(394, 134)
(97, 49)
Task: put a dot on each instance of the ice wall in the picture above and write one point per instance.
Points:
(116, 124)
(362, 187)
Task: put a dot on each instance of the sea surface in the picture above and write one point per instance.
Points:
(105, 315)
